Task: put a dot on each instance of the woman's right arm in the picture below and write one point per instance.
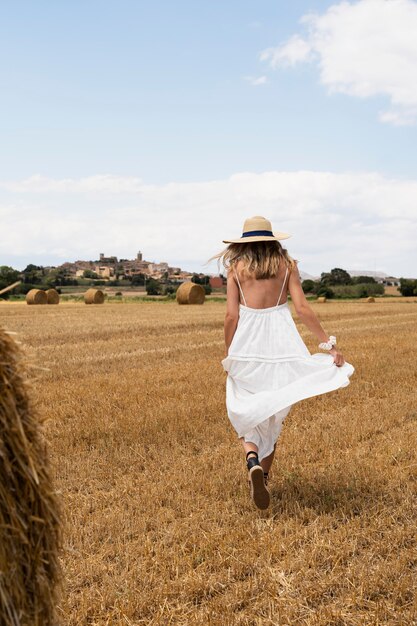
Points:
(307, 315)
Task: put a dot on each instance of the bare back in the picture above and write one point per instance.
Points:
(264, 292)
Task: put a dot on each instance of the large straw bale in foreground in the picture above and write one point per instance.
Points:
(321, 299)
(190, 293)
(370, 299)
(29, 519)
(36, 296)
(52, 296)
(94, 296)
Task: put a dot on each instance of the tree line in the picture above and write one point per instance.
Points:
(337, 283)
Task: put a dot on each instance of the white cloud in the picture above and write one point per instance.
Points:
(403, 117)
(255, 81)
(364, 49)
(106, 183)
(353, 220)
(295, 50)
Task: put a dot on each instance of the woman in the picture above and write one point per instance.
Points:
(269, 366)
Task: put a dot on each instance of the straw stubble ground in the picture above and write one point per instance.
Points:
(159, 526)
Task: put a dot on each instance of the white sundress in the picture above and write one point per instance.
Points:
(269, 369)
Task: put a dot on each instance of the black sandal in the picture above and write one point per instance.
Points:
(258, 491)
(253, 461)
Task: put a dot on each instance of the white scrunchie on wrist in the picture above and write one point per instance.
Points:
(328, 345)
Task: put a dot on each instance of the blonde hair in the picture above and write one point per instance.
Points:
(257, 259)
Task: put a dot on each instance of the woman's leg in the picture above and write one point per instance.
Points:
(256, 479)
(248, 446)
(267, 460)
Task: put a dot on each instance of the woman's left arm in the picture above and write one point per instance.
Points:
(232, 310)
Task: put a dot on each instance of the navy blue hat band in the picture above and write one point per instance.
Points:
(258, 233)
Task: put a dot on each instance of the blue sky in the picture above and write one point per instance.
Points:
(166, 92)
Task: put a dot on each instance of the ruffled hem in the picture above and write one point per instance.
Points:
(247, 409)
(266, 434)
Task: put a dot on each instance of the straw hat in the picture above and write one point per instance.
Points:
(258, 229)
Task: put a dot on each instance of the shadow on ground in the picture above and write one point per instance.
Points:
(342, 496)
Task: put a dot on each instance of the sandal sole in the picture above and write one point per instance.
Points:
(259, 493)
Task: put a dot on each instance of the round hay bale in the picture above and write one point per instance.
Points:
(30, 528)
(94, 296)
(370, 299)
(36, 296)
(190, 293)
(321, 299)
(52, 296)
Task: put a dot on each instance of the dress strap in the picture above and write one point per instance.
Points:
(282, 288)
(241, 290)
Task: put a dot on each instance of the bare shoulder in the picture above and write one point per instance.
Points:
(231, 273)
(296, 290)
(294, 271)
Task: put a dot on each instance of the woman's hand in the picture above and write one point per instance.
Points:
(337, 357)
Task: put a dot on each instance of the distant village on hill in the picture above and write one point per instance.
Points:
(109, 271)
(110, 267)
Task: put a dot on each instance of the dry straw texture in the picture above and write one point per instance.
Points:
(370, 299)
(321, 299)
(52, 296)
(29, 524)
(190, 293)
(160, 528)
(94, 296)
(36, 296)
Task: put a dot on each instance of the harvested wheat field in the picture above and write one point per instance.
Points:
(159, 526)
